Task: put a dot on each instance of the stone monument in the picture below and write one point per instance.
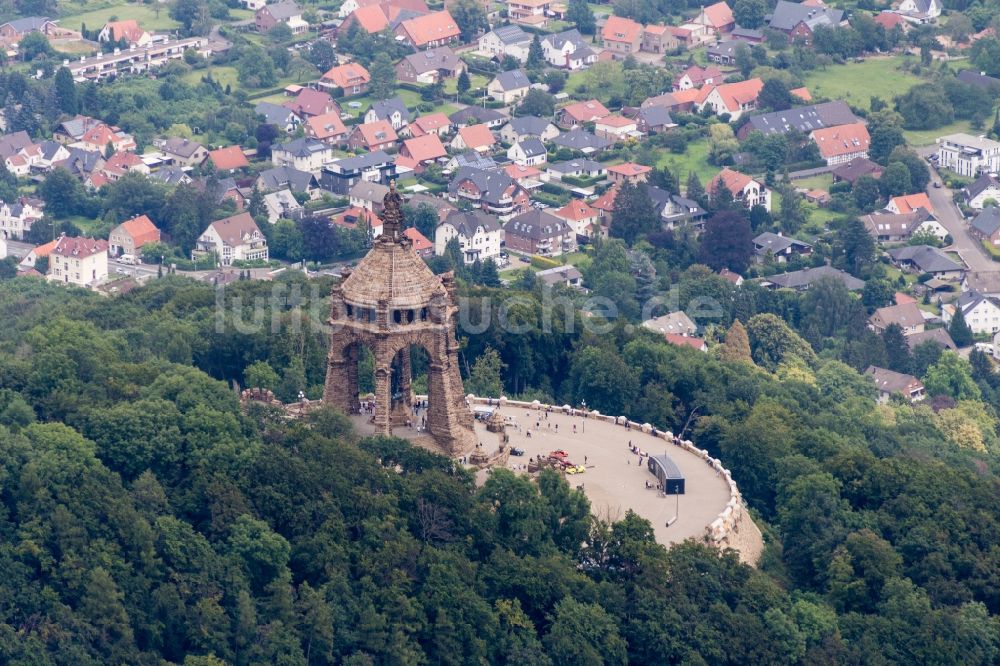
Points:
(389, 303)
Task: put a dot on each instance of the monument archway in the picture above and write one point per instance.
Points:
(390, 302)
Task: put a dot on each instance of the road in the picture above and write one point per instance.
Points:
(967, 247)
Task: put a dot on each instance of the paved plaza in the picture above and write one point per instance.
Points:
(615, 480)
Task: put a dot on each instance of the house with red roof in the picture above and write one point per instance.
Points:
(584, 218)
(717, 19)
(628, 172)
(891, 20)
(356, 217)
(734, 99)
(378, 135)
(327, 127)
(474, 137)
(429, 30)
(622, 36)
(659, 39)
(121, 163)
(842, 143)
(229, 158)
(423, 150)
(127, 31)
(686, 341)
(909, 203)
(129, 236)
(530, 12)
(697, 76)
(801, 94)
(310, 102)
(744, 189)
(616, 128)
(432, 123)
(606, 203)
(79, 261)
(421, 244)
(350, 78)
(581, 112)
(97, 138)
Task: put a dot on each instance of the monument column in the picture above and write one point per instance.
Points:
(383, 378)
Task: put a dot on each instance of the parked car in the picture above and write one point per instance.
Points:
(516, 451)
(576, 469)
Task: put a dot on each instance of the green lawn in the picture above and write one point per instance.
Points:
(224, 74)
(856, 83)
(820, 182)
(695, 158)
(927, 137)
(153, 17)
(476, 81)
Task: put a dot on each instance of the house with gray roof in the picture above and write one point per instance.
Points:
(475, 115)
(986, 226)
(529, 151)
(889, 383)
(798, 21)
(286, 177)
(568, 50)
(525, 126)
(509, 86)
(280, 116)
(803, 279)
(507, 40)
(474, 160)
(430, 66)
(985, 189)
(581, 140)
(170, 175)
(927, 259)
(581, 168)
(778, 247)
(803, 119)
(539, 232)
(723, 53)
(480, 235)
(979, 79)
(304, 154)
(391, 110)
(493, 191)
(654, 119)
(340, 176)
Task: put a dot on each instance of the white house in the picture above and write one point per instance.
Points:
(968, 155)
(509, 86)
(235, 238)
(568, 50)
(528, 152)
(305, 154)
(17, 217)
(281, 204)
(982, 313)
(507, 40)
(985, 189)
(919, 11)
(79, 261)
(746, 190)
(479, 235)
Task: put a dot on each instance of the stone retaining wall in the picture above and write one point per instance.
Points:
(722, 530)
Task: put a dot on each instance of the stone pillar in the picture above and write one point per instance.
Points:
(336, 390)
(449, 421)
(353, 356)
(402, 411)
(383, 398)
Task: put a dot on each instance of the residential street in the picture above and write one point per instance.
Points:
(967, 247)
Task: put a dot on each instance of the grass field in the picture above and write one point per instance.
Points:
(149, 17)
(927, 137)
(225, 75)
(695, 158)
(476, 81)
(857, 82)
(820, 182)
